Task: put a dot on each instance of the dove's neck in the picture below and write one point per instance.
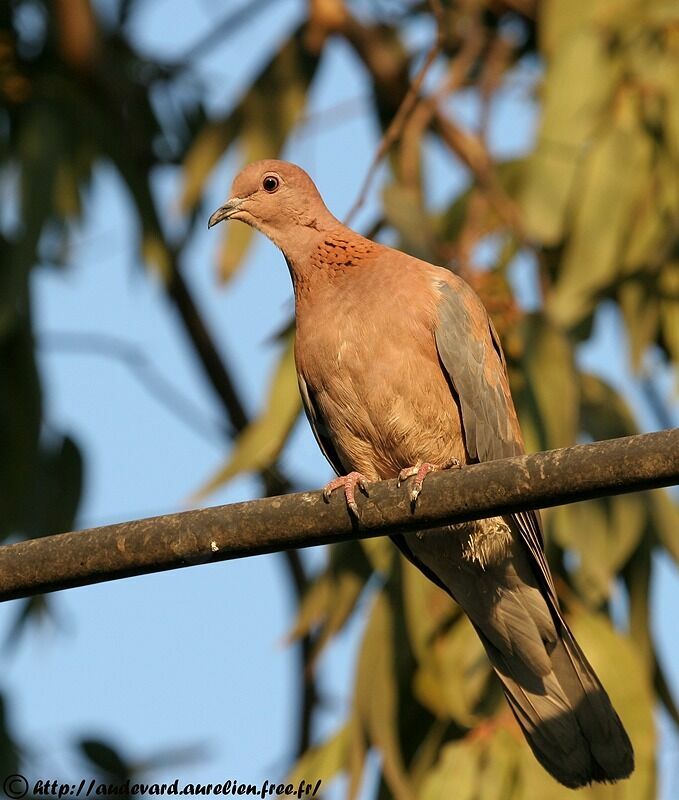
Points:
(304, 244)
(325, 256)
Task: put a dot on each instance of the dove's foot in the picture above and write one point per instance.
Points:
(420, 472)
(348, 483)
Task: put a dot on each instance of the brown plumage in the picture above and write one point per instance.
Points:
(399, 364)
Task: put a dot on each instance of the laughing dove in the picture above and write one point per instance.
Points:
(401, 372)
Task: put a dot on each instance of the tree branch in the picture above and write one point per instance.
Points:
(210, 359)
(302, 520)
(397, 124)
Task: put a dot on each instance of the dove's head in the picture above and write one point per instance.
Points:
(277, 198)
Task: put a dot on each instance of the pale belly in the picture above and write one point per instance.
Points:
(397, 413)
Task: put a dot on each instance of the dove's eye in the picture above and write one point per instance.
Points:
(270, 183)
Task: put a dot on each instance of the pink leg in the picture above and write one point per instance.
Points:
(420, 472)
(348, 483)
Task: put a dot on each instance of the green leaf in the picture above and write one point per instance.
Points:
(66, 191)
(637, 576)
(669, 309)
(604, 413)
(549, 368)
(580, 80)
(608, 198)
(427, 609)
(454, 674)
(641, 311)
(260, 443)
(331, 599)
(323, 762)
(562, 19)
(376, 695)
(500, 765)
(449, 224)
(456, 774)
(604, 533)
(665, 514)
(404, 210)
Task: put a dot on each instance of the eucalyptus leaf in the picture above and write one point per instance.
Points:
(376, 700)
(324, 761)
(580, 78)
(608, 200)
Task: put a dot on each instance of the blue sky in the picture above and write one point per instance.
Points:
(195, 656)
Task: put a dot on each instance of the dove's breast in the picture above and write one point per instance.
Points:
(368, 356)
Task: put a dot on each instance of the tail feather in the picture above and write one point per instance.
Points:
(557, 699)
(569, 722)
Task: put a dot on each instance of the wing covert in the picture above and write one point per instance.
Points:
(471, 354)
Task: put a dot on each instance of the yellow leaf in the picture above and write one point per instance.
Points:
(380, 552)
(154, 253)
(561, 19)
(208, 147)
(262, 121)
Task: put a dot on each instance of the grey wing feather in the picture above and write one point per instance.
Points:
(559, 702)
(465, 351)
(318, 428)
(488, 415)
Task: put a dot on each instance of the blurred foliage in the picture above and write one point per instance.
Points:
(593, 208)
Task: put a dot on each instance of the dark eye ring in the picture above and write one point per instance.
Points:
(270, 183)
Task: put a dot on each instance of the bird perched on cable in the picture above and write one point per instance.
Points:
(401, 372)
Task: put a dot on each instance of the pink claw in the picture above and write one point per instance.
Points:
(420, 472)
(348, 483)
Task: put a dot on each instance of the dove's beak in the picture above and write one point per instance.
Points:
(224, 212)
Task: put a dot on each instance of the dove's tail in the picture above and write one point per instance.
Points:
(565, 714)
(556, 697)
